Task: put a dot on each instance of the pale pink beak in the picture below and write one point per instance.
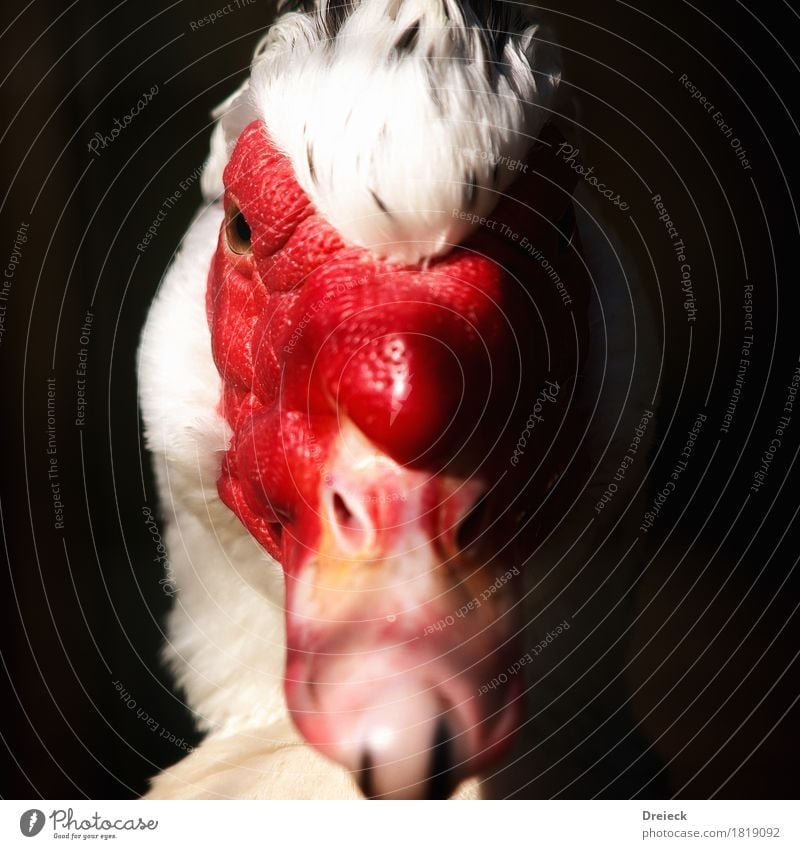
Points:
(394, 624)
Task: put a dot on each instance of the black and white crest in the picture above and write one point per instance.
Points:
(397, 116)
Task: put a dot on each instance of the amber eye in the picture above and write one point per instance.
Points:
(237, 230)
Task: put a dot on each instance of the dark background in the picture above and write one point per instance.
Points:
(714, 673)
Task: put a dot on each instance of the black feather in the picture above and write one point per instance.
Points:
(380, 204)
(408, 40)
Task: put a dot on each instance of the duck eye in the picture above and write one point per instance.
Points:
(238, 231)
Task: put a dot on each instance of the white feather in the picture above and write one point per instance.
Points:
(226, 631)
(226, 641)
(388, 142)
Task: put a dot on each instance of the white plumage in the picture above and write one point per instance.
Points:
(404, 116)
(386, 167)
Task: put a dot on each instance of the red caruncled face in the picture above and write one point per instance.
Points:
(376, 409)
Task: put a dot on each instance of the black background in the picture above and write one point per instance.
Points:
(83, 607)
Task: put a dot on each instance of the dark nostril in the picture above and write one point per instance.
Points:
(350, 524)
(442, 781)
(472, 525)
(344, 515)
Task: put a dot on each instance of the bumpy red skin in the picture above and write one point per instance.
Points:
(309, 333)
(306, 329)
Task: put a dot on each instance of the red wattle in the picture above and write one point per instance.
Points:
(433, 365)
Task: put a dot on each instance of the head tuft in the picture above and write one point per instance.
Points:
(397, 116)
